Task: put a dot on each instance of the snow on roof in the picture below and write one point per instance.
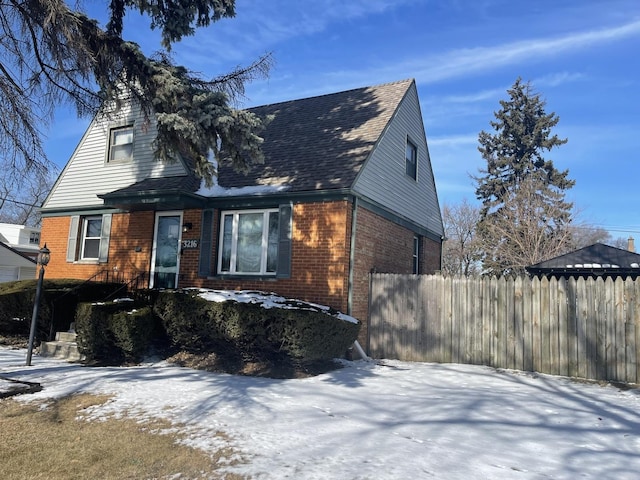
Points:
(218, 191)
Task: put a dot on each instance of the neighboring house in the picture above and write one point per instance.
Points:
(597, 260)
(346, 188)
(25, 240)
(18, 250)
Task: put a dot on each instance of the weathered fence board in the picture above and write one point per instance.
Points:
(587, 328)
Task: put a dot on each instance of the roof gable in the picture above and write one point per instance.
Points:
(17, 258)
(320, 143)
(88, 174)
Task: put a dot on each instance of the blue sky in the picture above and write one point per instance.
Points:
(581, 55)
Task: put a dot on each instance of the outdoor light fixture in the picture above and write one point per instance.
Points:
(187, 227)
(44, 255)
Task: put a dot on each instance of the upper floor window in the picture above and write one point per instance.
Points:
(411, 160)
(34, 238)
(249, 242)
(121, 144)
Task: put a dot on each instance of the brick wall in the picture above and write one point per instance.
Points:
(319, 261)
(386, 247)
(130, 246)
(320, 254)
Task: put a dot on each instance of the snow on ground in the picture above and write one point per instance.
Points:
(393, 420)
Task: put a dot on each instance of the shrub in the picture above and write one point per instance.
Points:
(16, 307)
(251, 331)
(115, 332)
(57, 304)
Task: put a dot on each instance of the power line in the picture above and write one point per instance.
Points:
(7, 199)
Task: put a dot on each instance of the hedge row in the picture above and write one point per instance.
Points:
(115, 332)
(255, 333)
(57, 304)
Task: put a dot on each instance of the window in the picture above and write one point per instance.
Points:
(411, 160)
(249, 242)
(34, 238)
(91, 229)
(416, 255)
(89, 238)
(121, 144)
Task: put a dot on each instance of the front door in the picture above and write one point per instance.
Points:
(165, 258)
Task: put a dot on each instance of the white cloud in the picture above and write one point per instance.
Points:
(262, 26)
(464, 61)
(454, 140)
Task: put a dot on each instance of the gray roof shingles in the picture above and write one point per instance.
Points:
(316, 143)
(322, 142)
(598, 254)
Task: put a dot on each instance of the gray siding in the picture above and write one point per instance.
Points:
(87, 174)
(383, 179)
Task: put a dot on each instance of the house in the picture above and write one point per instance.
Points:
(15, 265)
(597, 260)
(21, 238)
(18, 250)
(346, 188)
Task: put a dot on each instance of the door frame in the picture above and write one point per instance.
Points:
(168, 213)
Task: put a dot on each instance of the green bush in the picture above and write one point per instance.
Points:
(113, 333)
(16, 307)
(57, 304)
(251, 331)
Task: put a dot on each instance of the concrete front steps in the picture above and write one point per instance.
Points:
(63, 347)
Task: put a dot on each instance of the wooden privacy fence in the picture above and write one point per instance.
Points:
(588, 328)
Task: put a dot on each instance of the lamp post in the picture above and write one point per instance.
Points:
(43, 258)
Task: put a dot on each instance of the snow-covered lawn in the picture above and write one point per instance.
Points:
(375, 421)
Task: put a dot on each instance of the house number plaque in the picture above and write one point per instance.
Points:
(189, 244)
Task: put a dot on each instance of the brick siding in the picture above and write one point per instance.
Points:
(385, 247)
(319, 258)
(130, 245)
(320, 254)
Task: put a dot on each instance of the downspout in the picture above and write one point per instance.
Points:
(352, 255)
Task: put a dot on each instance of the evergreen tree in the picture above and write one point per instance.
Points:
(52, 54)
(524, 216)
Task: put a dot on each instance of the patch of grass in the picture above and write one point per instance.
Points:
(57, 443)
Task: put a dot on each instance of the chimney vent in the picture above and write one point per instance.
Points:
(630, 245)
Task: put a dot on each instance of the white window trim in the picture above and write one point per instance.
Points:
(234, 242)
(34, 238)
(154, 248)
(112, 130)
(84, 238)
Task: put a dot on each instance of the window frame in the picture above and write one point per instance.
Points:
(75, 240)
(264, 242)
(113, 131)
(411, 161)
(34, 238)
(416, 255)
(84, 237)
